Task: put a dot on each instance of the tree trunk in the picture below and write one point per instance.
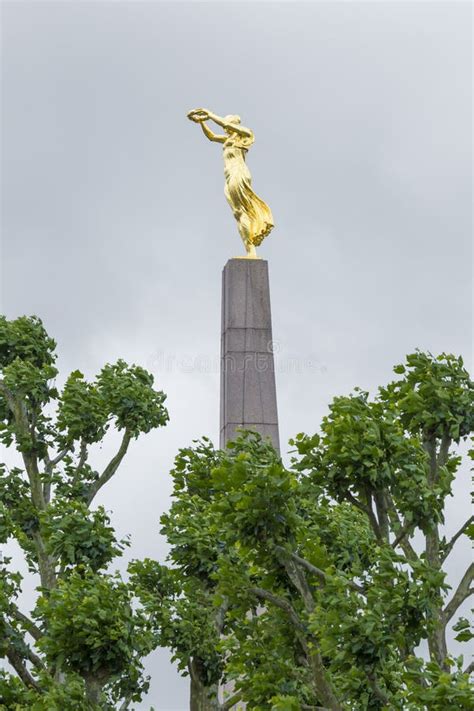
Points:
(93, 689)
(437, 638)
(203, 697)
(200, 696)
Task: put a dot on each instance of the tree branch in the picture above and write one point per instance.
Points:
(462, 593)
(469, 669)
(320, 574)
(19, 412)
(82, 455)
(404, 530)
(219, 618)
(449, 547)
(26, 651)
(8, 395)
(125, 704)
(50, 464)
(444, 450)
(429, 445)
(60, 456)
(316, 571)
(280, 602)
(378, 692)
(404, 543)
(34, 659)
(17, 657)
(310, 647)
(19, 666)
(110, 469)
(381, 506)
(228, 703)
(46, 563)
(29, 626)
(368, 511)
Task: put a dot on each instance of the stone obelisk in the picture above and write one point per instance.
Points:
(248, 391)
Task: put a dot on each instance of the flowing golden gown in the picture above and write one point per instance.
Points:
(253, 215)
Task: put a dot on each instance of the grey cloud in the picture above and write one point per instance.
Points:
(115, 229)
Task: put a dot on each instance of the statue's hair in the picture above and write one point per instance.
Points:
(232, 118)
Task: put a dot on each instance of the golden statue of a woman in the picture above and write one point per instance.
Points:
(254, 217)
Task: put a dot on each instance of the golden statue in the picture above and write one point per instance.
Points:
(254, 217)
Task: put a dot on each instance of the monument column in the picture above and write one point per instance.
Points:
(248, 392)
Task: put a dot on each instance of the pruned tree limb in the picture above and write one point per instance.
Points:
(111, 468)
(125, 704)
(368, 512)
(82, 455)
(8, 395)
(404, 531)
(60, 456)
(404, 543)
(34, 659)
(320, 574)
(26, 651)
(280, 602)
(378, 692)
(49, 466)
(469, 669)
(449, 547)
(463, 591)
(46, 563)
(219, 618)
(28, 624)
(19, 666)
(231, 701)
(317, 572)
(19, 412)
(443, 454)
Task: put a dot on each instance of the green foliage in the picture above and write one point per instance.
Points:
(300, 584)
(181, 615)
(76, 536)
(189, 525)
(25, 339)
(92, 628)
(82, 412)
(120, 393)
(130, 398)
(84, 651)
(463, 627)
(427, 686)
(13, 695)
(256, 491)
(326, 599)
(265, 661)
(18, 516)
(285, 703)
(435, 397)
(179, 601)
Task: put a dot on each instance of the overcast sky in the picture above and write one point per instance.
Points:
(115, 228)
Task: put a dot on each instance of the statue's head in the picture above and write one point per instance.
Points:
(232, 118)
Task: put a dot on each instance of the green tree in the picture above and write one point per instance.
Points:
(179, 600)
(341, 555)
(81, 646)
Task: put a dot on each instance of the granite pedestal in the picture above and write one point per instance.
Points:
(248, 392)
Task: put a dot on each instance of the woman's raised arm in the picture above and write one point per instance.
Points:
(231, 126)
(211, 135)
